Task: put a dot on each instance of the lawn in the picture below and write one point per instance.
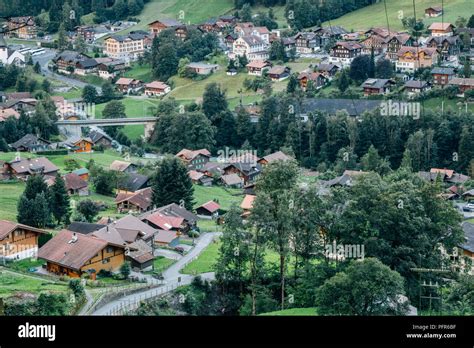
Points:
(188, 11)
(374, 15)
(161, 263)
(278, 12)
(225, 197)
(205, 261)
(207, 226)
(311, 311)
(140, 72)
(13, 283)
(455, 104)
(9, 199)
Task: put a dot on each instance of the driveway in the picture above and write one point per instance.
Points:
(172, 278)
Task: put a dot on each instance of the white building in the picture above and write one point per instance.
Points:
(8, 56)
(251, 46)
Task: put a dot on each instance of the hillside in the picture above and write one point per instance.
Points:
(371, 16)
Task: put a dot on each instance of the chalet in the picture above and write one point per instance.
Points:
(279, 73)
(289, 44)
(464, 84)
(7, 113)
(156, 89)
(199, 178)
(165, 238)
(213, 169)
(240, 28)
(75, 185)
(171, 217)
(247, 205)
(87, 32)
(377, 86)
(126, 48)
(78, 144)
(100, 139)
(194, 159)
(133, 182)
(27, 105)
(83, 173)
(158, 26)
(73, 254)
(160, 221)
(413, 87)
(17, 241)
(433, 11)
(110, 68)
(67, 61)
(124, 167)
(307, 43)
(23, 168)
(442, 76)
(328, 70)
(375, 43)
(139, 201)
(261, 32)
(413, 58)
(253, 47)
(127, 85)
(327, 34)
(317, 78)
(85, 67)
(441, 29)
(232, 180)
(446, 45)
(249, 172)
(395, 42)
(22, 27)
(343, 52)
(273, 157)
(31, 143)
(210, 26)
(210, 208)
(257, 67)
(202, 68)
(229, 39)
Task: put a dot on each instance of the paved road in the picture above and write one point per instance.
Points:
(172, 278)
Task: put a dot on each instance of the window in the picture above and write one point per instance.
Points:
(110, 250)
(104, 261)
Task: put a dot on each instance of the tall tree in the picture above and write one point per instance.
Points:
(59, 201)
(172, 184)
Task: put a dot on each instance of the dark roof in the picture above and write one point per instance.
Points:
(96, 136)
(28, 141)
(416, 84)
(141, 198)
(468, 244)
(444, 71)
(84, 227)
(33, 165)
(353, 107)
(88, 63)
(134, 182)
(74, 182)
(376, 83)
(246, 168)
(3, 43)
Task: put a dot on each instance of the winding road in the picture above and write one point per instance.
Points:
(172, 278)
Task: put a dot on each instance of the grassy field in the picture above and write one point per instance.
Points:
(278, 11)
(161, 263)
(205, 262)
(140, 72)
(374, 15)
(188, 11)
(9, 200)
(12, 283)
(311, 311)
(225, 197)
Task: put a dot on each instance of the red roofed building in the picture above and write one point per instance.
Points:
(164, 222)
(156, 89)
(75, 185)
(194, 159)
(210, 208)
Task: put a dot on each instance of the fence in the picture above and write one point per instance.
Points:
(129, 305)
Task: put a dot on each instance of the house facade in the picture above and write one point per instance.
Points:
(127, 48)
(253, 47)
(18, 241)
(344, 52)
(413, 58)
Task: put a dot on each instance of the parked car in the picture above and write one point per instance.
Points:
(179, 250)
